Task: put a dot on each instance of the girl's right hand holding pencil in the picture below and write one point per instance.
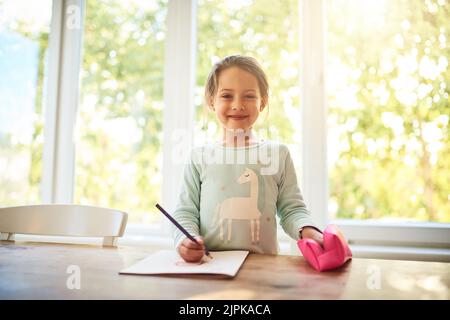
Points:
(191, 251)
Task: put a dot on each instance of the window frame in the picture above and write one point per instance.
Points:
(314, 150)
(64, 62)
(65, 52)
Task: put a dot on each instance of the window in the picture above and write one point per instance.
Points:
(24, 32)
(119, 125)
(388, 110)
(268, 33)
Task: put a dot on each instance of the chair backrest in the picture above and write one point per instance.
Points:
(63, 220)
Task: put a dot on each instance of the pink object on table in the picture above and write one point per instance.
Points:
(335, 251)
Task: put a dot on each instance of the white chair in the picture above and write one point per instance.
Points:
(63, 220)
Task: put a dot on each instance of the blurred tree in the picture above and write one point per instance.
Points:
(388, 82)
(265, 31)
(120, 117)
(390, 108)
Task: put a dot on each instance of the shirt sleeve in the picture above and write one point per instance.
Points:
(291, 208)
(187, 212)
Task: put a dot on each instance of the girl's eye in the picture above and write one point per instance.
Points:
(251, 97)
(226, 96)
(247, 175)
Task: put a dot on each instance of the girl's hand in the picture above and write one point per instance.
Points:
(312, 233)
(191, 251)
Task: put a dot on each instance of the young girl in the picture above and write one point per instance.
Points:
(230, 196)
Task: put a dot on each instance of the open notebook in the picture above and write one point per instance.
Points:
(169, 262)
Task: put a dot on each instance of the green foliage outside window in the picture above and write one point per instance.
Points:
(387, 81)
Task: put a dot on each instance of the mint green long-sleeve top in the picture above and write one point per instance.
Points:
(231, 196)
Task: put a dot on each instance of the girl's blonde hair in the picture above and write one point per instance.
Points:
(245, 63)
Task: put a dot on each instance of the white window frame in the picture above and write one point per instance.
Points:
(179, 79)
(179, 83)
(64, 58)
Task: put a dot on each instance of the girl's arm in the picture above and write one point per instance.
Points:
(187, 212)
(294, 216)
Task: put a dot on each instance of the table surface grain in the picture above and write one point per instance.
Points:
(31, 270)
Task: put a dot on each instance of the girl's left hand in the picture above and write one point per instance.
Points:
(312, 233)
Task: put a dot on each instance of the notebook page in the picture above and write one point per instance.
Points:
(169, 262)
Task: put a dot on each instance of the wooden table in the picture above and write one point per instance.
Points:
(31, 270)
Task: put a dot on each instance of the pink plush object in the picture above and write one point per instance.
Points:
(335, 251)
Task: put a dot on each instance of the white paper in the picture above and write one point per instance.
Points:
(169, 262)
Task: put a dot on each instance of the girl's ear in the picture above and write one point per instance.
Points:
(211, 104)
(263, 104)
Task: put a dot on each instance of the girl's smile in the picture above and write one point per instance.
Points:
(238, 117)
(237, 102)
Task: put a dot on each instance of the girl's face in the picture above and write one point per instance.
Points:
(237, 102)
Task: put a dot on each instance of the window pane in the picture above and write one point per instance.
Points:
(24, 31)
(118, 151)
(388, 83)
(268, 33)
